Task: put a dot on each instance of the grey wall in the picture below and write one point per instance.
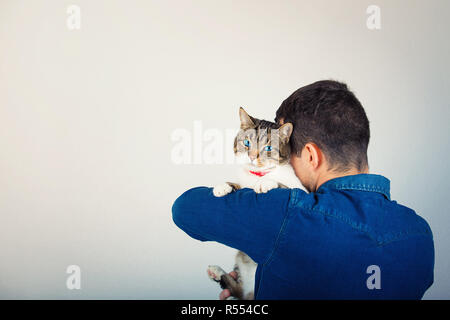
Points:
(86, 117)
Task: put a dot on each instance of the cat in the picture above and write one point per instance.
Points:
(262, 151)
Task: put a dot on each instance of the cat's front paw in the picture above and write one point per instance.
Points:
(222, 189)
(264, 185)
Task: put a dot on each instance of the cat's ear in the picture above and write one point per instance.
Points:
(285, 131)
(246, 120)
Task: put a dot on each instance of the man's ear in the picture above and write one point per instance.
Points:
(314, 155)
(246, 120)
(285, 131)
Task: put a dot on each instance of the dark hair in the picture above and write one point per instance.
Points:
(329, 115)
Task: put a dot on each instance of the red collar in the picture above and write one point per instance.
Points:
(259, 173)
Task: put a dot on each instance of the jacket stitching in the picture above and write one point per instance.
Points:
(372, 188)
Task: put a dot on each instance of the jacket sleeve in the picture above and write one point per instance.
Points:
(243, 219)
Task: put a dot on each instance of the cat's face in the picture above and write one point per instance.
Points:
(262, 145)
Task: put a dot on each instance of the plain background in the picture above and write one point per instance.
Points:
(86, 116)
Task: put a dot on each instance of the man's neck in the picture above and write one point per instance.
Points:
(328, 175)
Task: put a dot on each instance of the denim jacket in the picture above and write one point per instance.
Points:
(347, 240)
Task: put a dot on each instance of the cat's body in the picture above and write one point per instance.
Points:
(262, 149)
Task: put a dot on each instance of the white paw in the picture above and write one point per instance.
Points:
(215, 273)
(264, 185)
(222, 190)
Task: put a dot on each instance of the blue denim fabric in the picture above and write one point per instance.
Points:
(319, 245)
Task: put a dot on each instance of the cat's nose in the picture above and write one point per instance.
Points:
(252, 156)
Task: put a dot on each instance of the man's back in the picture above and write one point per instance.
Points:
(347, 240)
(334, 237)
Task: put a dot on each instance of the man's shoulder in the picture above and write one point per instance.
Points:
(404, 223)
(384, 220)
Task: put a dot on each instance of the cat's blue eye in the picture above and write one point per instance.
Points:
(268, 148)
(246, 143)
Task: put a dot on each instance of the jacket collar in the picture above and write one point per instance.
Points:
(362, 182)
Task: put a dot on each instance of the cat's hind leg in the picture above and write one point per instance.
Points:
(215, 273)
(226, 281)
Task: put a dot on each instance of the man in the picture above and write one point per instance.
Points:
(346, 238)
